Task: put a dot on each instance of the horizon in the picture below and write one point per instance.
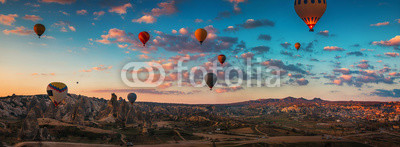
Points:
(353, 54)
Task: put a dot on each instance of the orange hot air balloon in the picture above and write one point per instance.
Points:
(297, 45)
(221, 58)
(201, 35)
(144, 37)
(39, 29)
(310, 11)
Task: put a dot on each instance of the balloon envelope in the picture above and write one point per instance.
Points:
(200, 35)
(132, 97)
(210, 79)
(221, 58)
(39, 29)
(310, 11)
(57, 92)
(144, 37)
(297, 45)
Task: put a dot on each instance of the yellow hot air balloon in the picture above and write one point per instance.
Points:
(39, 29)
(201, 35)
(57, 92)
(310, 11)
(297, 45)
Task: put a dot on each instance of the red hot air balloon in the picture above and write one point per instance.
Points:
(310, 11)
(221, 58)
(144, 37)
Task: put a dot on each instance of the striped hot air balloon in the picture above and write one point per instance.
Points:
(144, 37)
(57, 92)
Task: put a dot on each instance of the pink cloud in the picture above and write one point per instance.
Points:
(198, 20)
(81, 12)
(183, 31)
(228, 89)
(143, 56)
(166, 8)
(346, 77)
(247, 55)
(8, 19)
(145, 19)
(333, 48)
(18, 31)
(3, 1)
(392, 42)
(121, 9)
(342, 70)
(97, 68)
(392, 54)
(72, 28)
(236, 4)
(32, 17)
(164, 85)
(58, 1)
(337, 82)
(380, 24)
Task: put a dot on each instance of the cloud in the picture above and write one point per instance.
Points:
(286, 45)
(72, 28)
(65, 13)
(302, 82)
(356, 53)
(228, 89)
(32, 17)
(3, 1)
(183, 31)
(380, 24)
(120, 9)
(247, 55)
(64, 25)
(392, 42)
(392, 54)
(97, 68)
(342, 70)
(236, 5)
(264, 37)
(333, 48)
(280, 64)
(261, 49)
(31, 4)
(43, 74)
(231, 29)
(364, 64)
(8, 19)
(143, 56)
(198, 20)
(324, 33)
(58, 1)
(251, 23)
(98, 14)
(395, 93)
(122, 45)
(81, 12)
(166, 8)
(148, 91)
(145, 19)
(18, 31)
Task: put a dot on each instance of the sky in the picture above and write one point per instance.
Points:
(353, 54)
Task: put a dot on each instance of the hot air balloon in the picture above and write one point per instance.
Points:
(144, 37)
(297, 45)
(132, 97)
(57, 92)
(210, 79)
(201, 35)
(310, 11)
(39, 29)
(221, 58)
